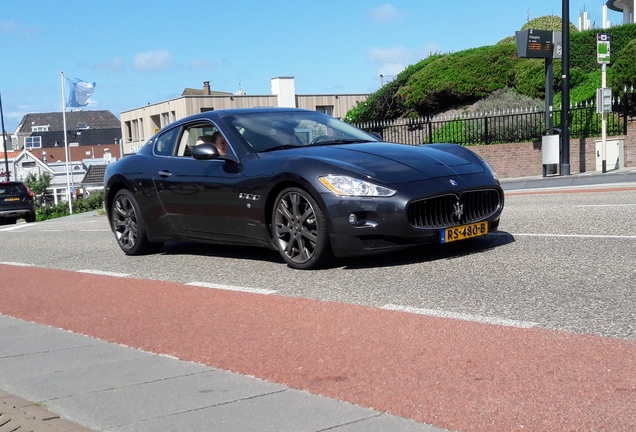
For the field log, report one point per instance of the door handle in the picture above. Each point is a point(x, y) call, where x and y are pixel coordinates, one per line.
point(164, 174)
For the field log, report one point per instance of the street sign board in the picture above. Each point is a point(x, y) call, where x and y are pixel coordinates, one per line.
point(603, 48)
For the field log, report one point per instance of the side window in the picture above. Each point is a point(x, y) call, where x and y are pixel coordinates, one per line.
point(190, 136)
point(165, 142)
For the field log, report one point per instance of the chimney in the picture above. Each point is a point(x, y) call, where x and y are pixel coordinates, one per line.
point(206, 88)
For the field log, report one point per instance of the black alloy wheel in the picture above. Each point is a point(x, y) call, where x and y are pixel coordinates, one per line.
point(299, 230)
point(129, 227)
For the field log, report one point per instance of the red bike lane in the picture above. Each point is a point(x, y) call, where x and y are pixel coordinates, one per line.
point(453, 374)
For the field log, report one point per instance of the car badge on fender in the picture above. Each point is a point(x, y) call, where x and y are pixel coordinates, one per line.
point(458, 210)
point(453, 182)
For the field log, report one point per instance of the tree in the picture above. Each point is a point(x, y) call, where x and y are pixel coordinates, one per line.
point(624, 68)
point(39, 186)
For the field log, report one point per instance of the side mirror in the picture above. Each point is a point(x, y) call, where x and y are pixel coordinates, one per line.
point(205, 151)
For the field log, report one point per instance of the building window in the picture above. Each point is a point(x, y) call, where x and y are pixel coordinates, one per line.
point(325, 109)
point(32, 142)
point(128, 128)
point(135, 130)
point(40, 128)
point(165, 119)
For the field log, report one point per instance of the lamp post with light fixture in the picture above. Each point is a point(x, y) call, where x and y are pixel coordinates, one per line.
point(565, 89)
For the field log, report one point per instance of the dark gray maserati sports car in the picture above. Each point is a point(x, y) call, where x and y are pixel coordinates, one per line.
point(298, 181)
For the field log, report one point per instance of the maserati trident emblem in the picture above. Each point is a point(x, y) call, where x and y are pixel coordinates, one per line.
point(453, 182)
point(458, 211)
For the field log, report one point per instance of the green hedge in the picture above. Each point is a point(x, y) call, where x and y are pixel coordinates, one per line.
point(93, 202)
point(441, 82)
point(583, 46)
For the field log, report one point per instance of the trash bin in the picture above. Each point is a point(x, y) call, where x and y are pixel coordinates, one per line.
point(550, 153)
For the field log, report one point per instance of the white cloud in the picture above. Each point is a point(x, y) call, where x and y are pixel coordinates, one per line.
point(115, 65)
point(385, 13)
point(7, 27)
point(391, 61)
point(199, 63)
point(153, 60)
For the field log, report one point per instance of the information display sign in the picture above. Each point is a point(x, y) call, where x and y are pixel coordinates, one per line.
point(603, 48)
point(534, 43)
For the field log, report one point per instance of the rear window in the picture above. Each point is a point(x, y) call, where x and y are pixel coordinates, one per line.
point(12, 189)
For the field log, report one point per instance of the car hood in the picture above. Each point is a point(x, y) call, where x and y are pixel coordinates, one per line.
point(396, 163)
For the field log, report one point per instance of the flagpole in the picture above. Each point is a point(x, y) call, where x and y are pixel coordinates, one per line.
point(68, 182)
point(4, 135)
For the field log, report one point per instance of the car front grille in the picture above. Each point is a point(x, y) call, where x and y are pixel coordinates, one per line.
point(450, 210)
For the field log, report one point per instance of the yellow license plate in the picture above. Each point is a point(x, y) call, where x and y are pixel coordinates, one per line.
point(463, 232)
point(12, 199)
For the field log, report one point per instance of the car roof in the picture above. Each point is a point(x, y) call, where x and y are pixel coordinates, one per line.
point(217, 114)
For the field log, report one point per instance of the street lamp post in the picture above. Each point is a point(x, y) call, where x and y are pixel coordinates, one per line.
point(565, 90)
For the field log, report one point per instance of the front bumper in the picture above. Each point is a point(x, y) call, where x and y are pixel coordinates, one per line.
point(383, 224)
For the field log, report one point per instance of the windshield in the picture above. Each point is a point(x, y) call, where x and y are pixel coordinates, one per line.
point(271, 130)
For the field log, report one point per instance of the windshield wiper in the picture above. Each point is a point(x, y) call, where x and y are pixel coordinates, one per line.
point(280, 147)
point(342, 141)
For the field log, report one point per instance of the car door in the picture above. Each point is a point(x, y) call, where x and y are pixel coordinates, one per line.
point(200, 196)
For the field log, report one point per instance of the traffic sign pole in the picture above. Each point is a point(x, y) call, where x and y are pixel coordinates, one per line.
point(603, 57)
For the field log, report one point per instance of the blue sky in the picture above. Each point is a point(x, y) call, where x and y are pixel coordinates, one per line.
point(146, 52)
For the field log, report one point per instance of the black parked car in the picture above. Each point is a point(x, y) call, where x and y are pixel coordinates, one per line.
point(301, 182)
point(16, 201)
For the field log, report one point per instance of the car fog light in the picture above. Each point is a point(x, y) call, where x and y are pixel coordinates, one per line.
point(353, 219)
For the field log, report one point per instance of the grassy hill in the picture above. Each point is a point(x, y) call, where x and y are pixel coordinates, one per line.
point(444, 82)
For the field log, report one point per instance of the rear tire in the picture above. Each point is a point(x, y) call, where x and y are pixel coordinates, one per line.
point(299, 230)
point(30, 218)
point(129, 227)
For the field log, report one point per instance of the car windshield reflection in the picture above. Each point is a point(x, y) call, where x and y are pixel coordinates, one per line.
point(269, 131)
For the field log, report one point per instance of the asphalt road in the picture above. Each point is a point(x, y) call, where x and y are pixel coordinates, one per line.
point(564, 259)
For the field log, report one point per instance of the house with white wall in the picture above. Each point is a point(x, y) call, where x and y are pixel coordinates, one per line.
point(139, 124)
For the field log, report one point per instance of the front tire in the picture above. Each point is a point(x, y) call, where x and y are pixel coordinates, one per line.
point(129, 227)
point(299, 230)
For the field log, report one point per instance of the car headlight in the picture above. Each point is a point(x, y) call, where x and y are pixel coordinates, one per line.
point(349, 186)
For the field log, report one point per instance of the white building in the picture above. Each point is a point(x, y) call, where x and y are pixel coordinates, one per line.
point(141, 123)
point(624, 6)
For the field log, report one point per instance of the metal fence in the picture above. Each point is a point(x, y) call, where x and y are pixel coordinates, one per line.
point(498, 127)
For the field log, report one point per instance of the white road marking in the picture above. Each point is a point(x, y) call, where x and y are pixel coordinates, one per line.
point(605, 205)
point(232, 288)
point(103, 273)
point(461, 316)
point(17, 264)
point(16, 227)
point(574, 235)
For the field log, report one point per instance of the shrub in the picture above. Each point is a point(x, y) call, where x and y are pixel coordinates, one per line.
point(459, 78)
point(93, 202)
point(624, 69)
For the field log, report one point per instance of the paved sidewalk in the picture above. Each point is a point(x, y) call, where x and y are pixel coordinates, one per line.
point(94, 385)
point(623, 175)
